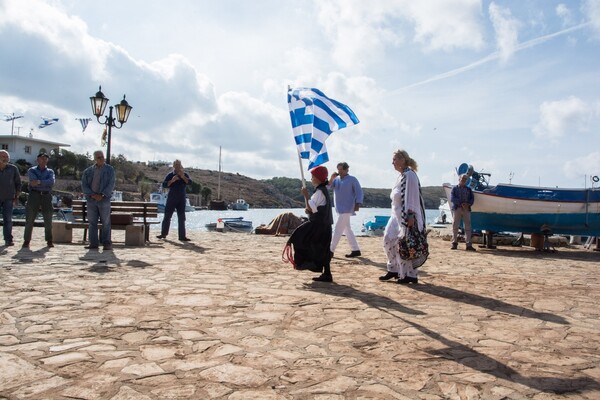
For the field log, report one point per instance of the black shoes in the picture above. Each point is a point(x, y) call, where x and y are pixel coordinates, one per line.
point(161, 236)
point(454, 246)
point(91, 247)
point(107, 247)
point(388, 276)
point(470, 248)
point(25, 244)
point(11, 243)
point(323, 278)
point(49, 243)
point(354, 253)
point(185, 239)
point(406, 280)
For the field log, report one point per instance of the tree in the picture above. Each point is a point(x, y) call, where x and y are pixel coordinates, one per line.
point(194, 188)
point(205, 192)
point(22, 165)
point(145, 189)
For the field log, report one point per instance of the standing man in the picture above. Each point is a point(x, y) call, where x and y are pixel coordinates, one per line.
point(461, 199)
point(98, 183)
point(10, 188)
point(41, 180)
point(348, 199)
point(176, 181)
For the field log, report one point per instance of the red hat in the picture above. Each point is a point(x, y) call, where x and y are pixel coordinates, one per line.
point(320, 173)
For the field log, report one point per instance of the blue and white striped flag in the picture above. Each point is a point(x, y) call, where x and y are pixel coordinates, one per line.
point(315, 117)
point(84, 123)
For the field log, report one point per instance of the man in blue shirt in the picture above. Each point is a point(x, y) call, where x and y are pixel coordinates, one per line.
point(10, 187)
point(176, 181)
point(461, 199)
point(41, 180)
point(97, 184)
point(348, 199)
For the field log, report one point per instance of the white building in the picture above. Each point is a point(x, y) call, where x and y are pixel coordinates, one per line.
point(27, 148)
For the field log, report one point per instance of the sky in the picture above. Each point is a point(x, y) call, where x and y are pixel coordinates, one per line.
point(510, 87)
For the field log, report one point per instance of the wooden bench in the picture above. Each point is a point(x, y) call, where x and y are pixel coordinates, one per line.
point(135, 217)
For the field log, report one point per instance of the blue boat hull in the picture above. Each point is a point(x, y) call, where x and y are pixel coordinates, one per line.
point(564, 224)
point(528, 209)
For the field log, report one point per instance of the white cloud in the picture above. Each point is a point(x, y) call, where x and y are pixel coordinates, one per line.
point(563, 117)
point(591, 10)
point(446, 24)
point(588, 165)
point(506, 28)
point(218, 77)
point(565, 14)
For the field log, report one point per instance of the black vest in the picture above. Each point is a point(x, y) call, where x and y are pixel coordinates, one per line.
point(324, 214)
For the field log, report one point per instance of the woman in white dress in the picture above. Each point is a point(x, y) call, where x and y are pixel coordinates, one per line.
point(407, 211)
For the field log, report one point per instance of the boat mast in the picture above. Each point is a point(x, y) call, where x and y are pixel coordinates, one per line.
point(219, 181)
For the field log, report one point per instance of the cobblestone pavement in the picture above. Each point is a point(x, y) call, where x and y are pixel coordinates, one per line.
point(222, 317)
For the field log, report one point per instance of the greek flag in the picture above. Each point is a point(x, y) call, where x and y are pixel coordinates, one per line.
point(47, 122)
point(84, 123)
point(314, 117)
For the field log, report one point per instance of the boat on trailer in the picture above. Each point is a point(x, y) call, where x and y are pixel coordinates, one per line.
point(531, 209)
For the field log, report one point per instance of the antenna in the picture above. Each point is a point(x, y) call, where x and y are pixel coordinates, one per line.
point(510, 176)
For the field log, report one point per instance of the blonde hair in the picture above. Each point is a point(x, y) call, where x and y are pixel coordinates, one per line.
point(409, 161)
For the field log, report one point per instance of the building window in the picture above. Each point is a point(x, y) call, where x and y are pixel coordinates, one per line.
point(4, 146)
point(27, 149)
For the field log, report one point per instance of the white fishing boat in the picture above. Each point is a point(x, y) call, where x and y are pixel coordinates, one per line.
point(160, 198)
point(239, 205)
point(445, 215)
point(531, 209)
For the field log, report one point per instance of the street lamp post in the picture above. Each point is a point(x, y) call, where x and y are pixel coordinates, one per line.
point(99, 102)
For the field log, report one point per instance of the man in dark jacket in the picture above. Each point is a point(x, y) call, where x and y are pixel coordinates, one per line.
point(461, 199)
point(10, 188)
point(176, 181)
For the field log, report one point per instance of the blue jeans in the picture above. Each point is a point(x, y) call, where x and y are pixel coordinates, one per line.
point(100, 209)
point(7, 209)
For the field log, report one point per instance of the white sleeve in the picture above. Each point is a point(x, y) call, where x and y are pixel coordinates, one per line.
point(316, 200)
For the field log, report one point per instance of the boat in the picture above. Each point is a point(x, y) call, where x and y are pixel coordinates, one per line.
point(239, 205)
point(230, 224)
point(445, 215)
point(531, 209)
point(160, 198)
point(376, 225)
point(218, 204)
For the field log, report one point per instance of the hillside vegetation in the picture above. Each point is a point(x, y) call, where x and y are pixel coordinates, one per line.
point(136, 180)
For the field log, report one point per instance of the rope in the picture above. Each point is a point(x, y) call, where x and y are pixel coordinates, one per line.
point(287, 255)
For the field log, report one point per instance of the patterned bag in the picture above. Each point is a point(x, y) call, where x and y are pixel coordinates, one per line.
point(413, 246)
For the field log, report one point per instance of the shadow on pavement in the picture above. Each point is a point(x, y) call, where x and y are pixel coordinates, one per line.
point(487, 302)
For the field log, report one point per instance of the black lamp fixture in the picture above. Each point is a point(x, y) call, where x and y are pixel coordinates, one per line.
point(99, 102)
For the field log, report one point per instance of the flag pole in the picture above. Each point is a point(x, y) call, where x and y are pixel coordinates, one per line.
point(299, 158)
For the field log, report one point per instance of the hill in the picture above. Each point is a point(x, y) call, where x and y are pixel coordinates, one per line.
point(136, 180)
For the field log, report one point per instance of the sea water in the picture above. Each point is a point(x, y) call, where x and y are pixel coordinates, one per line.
point(196, 220)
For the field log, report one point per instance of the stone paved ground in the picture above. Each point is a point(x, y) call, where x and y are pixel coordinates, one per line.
point(224, 318)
